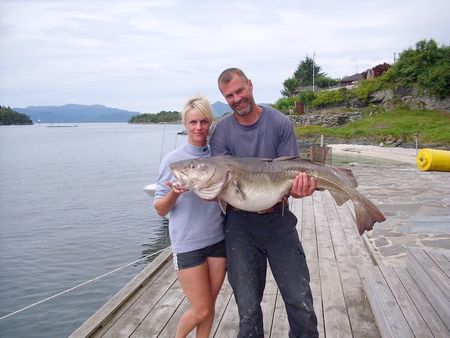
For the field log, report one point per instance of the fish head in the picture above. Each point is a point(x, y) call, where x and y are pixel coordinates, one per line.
point(203, 176)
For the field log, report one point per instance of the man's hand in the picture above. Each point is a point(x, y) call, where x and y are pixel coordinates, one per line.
point(303, 186)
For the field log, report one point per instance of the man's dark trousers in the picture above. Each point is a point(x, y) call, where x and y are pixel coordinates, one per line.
point(251, 239)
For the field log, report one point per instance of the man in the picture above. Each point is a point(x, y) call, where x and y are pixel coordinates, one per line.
point(253, 238)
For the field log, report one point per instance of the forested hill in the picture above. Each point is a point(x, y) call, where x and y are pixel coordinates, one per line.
point(76, 113)
point(11, 117)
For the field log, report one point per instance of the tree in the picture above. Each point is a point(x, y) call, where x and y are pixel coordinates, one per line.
point(304, 72)
point(290, 86)
point(427, 66)
point(303, 77)
point(325, 82)
point(162, 116)
point(11, 117)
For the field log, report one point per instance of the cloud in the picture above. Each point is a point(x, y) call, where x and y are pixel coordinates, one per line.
point(151, 55)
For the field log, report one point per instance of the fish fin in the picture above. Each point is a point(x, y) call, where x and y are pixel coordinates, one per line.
point(339, 196)
point(347, 175)
point(213, 190)
point(285, 158)
point(366, 213)
point(238, 189)
point(223, 205)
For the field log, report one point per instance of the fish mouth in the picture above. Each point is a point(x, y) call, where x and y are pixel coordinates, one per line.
point(181, 179)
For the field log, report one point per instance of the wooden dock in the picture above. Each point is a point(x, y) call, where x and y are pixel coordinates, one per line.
point(152, 303)
point(412, 301)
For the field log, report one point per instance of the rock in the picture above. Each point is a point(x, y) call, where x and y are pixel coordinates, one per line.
point(325, 119)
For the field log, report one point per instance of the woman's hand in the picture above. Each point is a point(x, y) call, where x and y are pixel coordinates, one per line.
point(176, 188)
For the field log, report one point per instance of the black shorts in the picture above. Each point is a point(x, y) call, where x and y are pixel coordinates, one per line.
point(193, 258)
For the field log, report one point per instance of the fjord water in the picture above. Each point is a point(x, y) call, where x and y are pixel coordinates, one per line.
point(72, 207)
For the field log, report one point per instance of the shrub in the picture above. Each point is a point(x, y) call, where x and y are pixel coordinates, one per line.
point(325, 98)
point(284, 104)
point(368, 87)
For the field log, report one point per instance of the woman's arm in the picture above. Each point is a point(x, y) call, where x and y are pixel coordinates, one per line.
point(164, 204)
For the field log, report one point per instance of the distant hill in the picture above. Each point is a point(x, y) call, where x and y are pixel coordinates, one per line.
point(76, 113)
point(220, 109)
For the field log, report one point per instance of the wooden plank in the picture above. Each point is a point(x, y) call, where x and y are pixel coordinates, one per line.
point(309, 242)
point(436, 273)
point(160, 315)
point(117, 303)
point(442, 259)
point(357, 244)
point(170, 328)
point(427, 276)
point(318, 305)
point(268, 301)
point(280, 324)
point(229, 324)
point(388, 314)
point(125, 325)
point(308, 230)
point(417, 324)
point(423, 305)
point(359, 312)
point(336, 320)
point(221, 304)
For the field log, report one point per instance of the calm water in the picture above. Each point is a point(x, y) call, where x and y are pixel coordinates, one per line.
point(72, 207)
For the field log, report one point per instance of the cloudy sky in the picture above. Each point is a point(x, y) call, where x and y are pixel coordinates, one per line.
point(149, 56)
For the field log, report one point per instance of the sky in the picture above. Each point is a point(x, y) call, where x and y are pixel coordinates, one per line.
point(149, 56)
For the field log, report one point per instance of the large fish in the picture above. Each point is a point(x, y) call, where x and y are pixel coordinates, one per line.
point(255, 184)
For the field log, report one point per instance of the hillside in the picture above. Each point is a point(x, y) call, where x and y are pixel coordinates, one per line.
point(10, 117)
point(76, 113)
point(220, 109)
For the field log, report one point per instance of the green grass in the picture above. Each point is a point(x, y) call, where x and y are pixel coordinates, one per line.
point(430, 127)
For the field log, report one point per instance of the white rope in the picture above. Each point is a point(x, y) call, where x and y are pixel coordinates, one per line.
point(79, 285)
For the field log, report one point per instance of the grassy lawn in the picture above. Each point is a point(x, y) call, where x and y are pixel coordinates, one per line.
point(430, 127)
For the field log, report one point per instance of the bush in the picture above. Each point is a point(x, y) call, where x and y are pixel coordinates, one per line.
point(367, 87)
point(307, 97)
point(427, 66)
point(285, 104)
point(325, 98)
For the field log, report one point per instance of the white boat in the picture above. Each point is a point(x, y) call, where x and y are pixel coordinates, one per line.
point(150, 189)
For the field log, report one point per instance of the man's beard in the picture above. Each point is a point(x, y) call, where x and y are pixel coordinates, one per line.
point(246, 110)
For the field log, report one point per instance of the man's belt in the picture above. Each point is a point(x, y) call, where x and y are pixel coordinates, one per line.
point(279, 207)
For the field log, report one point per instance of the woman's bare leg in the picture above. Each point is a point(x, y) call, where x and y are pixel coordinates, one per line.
point(201, 285)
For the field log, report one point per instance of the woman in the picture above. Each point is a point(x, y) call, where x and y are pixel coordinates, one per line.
point(195, 226)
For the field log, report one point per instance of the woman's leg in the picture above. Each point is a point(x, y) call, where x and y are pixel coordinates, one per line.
point(216, 268)
point(195, 284)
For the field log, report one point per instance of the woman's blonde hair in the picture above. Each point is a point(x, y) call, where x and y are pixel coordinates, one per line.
point(201, 105)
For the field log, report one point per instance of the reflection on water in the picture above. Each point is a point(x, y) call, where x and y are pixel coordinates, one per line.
point(159, 241)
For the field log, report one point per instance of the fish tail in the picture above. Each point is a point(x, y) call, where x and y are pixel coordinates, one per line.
point(347, 175)
point(366, 213)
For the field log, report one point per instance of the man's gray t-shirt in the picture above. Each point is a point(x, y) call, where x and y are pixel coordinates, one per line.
point(270, 137)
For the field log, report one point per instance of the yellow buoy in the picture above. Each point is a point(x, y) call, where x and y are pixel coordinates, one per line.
point(433, 159)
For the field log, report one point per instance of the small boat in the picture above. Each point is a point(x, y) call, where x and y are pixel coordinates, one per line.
point(150, 189)
point(61, 126)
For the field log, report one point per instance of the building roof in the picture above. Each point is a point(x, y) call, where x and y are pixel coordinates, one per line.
point(351, 78)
